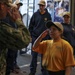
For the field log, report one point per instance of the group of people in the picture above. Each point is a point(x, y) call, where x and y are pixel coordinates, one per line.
point(12, 54)
point(53, 40)
point(13, 34)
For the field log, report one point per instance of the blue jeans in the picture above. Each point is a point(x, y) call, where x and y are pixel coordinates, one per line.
point(33, 64)
point(43, 70)
point(11, 60)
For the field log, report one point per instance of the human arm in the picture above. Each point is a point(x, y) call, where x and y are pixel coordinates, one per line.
point(68, 70)
point(31, 24)
point(73, 30)
point(14, 38)
point(68, 58)
point(39, 39)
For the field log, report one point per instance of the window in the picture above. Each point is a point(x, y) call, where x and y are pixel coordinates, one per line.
point(27, 10)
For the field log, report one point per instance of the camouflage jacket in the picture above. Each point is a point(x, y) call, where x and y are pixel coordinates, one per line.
point(13, 39)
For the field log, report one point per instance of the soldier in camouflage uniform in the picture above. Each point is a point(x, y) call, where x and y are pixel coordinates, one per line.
point(10, 37)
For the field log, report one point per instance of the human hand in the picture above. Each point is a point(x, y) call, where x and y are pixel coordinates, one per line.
point(45, 33)
point(14, 14)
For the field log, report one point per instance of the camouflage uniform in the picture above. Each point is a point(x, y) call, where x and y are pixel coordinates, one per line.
point(13, 39)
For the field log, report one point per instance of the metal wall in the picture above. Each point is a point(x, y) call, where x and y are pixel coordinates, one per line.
point(72, 10)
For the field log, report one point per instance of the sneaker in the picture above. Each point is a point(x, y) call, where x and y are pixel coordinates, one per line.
point(31, 73)
point(16, 71)
point(16, 67)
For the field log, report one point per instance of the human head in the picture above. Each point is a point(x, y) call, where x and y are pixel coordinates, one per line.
point(10, 1)
point(3, 8)
point(42, 2)
point(66, 17)
point(10, 4)
point(2, 1)
point(66, 14)
point(42, 5)
point(57, 25)
point(18, 3)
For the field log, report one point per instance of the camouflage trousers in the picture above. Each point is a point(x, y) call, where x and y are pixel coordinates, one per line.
point(3, 62)
point(2, 71)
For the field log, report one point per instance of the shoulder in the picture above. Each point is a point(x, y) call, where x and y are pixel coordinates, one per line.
point(67, 48)
point(64, 41)
point(35, 14)
point(4, 23)
point(63, 23)
point(66, 44)
point(47, 41)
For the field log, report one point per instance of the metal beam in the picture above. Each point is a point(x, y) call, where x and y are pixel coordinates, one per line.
point(72, 10)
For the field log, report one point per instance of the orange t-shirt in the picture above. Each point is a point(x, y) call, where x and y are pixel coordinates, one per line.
point(59, 54)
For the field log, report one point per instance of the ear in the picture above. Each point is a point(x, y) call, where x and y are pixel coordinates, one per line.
point(61, 32)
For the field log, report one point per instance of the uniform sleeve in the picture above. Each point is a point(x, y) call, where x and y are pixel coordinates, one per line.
point(14, 38)
point(41, 48)
point(68, 56)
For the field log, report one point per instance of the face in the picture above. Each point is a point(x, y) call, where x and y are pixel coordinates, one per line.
point(66, 19)
point(41, 7)
point(54, 32)
point(3, 9)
